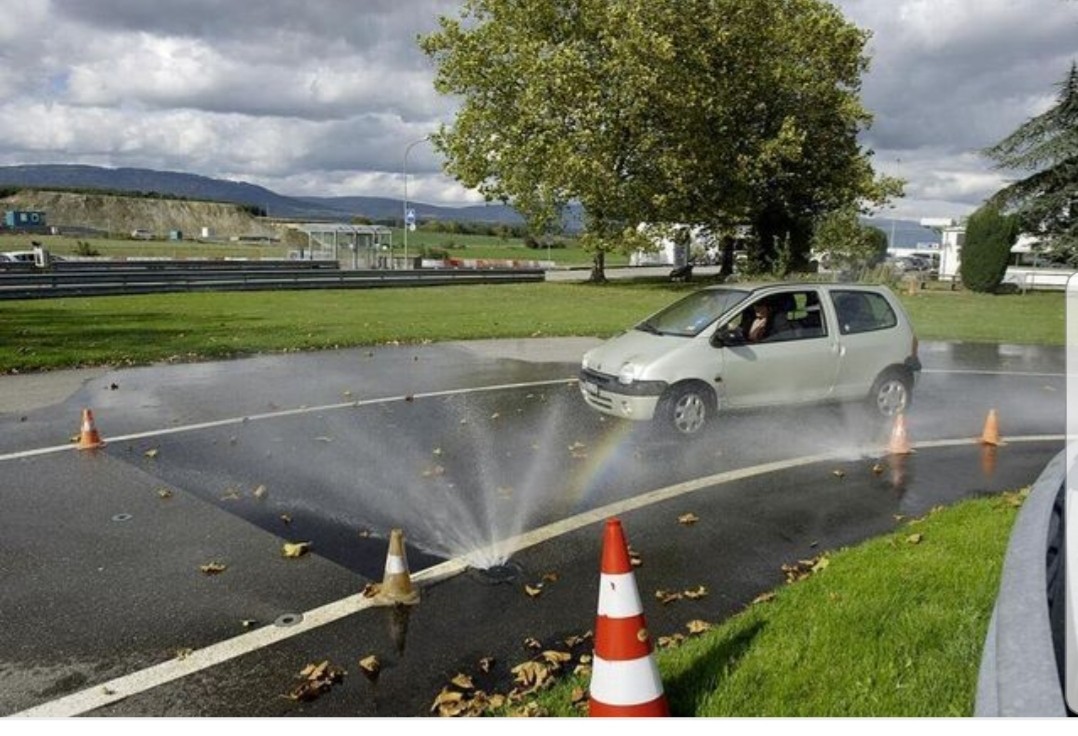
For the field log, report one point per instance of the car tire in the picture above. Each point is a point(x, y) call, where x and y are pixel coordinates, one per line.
point(686, 409)
point(891, 394)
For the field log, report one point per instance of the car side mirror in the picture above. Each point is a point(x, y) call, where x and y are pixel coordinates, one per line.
point(728, 338)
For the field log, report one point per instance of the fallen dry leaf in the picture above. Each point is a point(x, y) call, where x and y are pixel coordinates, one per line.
point(486, 664)
point(371, 589)
point(212, 568)
point(914, 538)
point(764, 597)
point(164, 493)
point(532, 643)
point(670, 642)
point(696, 594)
point(151, 453)
point(667, 596)
point(184, 653)
point(688, 519)
point(295, 549)
point(877, 469)
point(463, 682)
point(697, 626)
point(634, 557)
point(531, 675)
point(495, 415)
point(285, 518)
point(259, 492)
point(231, 494)
point(557, 658)
point(317, 679)
point(370, 666)
point(533, 592)
point(838, 473)
point(248, 623)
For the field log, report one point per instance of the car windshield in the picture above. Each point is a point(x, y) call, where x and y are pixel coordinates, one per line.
point(688, 316)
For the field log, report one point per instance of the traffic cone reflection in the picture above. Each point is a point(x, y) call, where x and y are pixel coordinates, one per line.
point(988, 459)
point(89, 438)
point(625, 678)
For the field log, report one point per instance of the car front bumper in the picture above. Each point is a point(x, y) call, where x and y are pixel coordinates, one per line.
point(636, 401)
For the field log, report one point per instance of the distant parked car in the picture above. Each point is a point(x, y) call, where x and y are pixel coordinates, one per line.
point(17, 256)
point(704, 354)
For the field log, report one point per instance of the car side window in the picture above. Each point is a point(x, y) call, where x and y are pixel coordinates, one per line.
point(862, 311)
point(788, 316)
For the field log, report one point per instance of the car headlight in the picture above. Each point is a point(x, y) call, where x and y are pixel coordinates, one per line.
point(627, 374)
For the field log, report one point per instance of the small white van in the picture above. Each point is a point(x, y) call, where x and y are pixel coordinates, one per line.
point(743, 346)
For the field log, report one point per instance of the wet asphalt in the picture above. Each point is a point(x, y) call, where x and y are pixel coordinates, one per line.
point(107, 610)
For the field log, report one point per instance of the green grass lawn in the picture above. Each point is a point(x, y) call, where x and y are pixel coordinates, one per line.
point(43, 334)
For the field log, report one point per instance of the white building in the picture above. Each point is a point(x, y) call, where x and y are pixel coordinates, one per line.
point(1025, 270)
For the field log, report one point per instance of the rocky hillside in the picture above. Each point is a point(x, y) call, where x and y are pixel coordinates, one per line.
point(121, 215)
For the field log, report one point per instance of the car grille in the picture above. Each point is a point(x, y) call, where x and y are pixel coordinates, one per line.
point(602, 382)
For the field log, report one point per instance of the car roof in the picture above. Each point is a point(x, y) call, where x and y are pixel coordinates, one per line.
point(760, 287)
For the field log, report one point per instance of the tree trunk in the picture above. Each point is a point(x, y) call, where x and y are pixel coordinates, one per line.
point(598, 268)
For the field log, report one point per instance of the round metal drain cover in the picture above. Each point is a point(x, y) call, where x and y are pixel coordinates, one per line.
point(288, 619)
point(507, 572)
point(122, 517)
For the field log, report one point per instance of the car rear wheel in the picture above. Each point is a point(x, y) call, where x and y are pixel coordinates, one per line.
point(687, 409)
point(891, 394)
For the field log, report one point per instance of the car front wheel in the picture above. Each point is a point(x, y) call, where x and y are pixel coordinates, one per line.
point(890, 394)
point(687, 409)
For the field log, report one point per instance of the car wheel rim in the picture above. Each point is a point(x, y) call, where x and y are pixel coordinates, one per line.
point(689, 414)
point(891, 398)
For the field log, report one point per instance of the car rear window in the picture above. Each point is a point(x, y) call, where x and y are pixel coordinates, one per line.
point(862, 311)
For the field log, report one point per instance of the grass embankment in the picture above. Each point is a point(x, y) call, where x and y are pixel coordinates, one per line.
point(45, 334)
point(893, 627)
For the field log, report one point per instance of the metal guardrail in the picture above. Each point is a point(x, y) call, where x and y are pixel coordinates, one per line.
point(151, 277)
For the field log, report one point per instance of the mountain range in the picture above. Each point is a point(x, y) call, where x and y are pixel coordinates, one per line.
point(193, 186)
point(902, 233)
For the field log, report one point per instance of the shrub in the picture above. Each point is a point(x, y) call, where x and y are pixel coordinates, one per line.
point(987, 250)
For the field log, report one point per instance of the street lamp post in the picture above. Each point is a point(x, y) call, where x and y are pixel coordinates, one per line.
point(404, 169)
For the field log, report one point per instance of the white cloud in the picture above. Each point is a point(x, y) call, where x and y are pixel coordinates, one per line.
point(320, 97)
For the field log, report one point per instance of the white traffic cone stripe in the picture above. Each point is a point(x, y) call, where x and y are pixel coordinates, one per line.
point(395, 565)
point(630, 682)
point(618, 596)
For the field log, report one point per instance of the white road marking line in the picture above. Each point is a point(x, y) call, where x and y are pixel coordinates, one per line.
point(123, 687)
point(287, 413)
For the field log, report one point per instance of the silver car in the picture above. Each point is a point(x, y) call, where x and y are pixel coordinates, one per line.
point(743, 346)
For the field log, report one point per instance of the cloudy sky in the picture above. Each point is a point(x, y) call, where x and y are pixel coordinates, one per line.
point(321, 97)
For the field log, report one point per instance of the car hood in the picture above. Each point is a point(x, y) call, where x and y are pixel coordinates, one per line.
point(634, 346)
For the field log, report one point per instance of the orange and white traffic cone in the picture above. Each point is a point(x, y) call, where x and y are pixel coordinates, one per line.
point(900, 441)
point(89, 439)
point(625, 679)
point(990, 435)
point(396, 587)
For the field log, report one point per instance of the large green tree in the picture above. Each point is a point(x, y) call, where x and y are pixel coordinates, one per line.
point(711, 112)
point(1046, 201)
